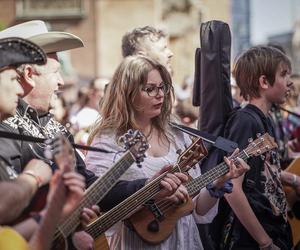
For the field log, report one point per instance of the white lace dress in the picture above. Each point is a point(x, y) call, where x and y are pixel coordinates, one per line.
point(185, 234)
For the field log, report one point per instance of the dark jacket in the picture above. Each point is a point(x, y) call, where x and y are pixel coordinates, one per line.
point(28, 122)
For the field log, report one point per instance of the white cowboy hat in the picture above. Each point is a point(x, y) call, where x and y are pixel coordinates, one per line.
point(37, 32)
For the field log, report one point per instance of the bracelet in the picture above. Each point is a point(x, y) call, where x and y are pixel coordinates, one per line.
point(294, 181)
point(218, 193)
point(38, 179)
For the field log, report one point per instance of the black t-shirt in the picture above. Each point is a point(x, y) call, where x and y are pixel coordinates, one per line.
point(262, 187)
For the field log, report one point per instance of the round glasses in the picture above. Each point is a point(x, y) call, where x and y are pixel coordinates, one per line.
point(153, 90)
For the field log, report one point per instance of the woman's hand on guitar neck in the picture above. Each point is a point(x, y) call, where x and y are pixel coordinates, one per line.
point(180, 196)
point(169, 183)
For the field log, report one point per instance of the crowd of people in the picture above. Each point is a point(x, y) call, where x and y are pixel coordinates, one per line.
point(245, 206)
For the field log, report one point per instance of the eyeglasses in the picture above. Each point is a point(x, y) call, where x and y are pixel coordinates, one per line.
point(153, 90)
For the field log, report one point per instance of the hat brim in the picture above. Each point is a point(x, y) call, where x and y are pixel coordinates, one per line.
point(15, 51)
point(53, 41)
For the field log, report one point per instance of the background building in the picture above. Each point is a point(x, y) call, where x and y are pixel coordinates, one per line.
point(102, 23)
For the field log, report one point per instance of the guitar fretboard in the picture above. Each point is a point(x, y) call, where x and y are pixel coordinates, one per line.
point(96, 192)
point(120, 211)
point(194, 186)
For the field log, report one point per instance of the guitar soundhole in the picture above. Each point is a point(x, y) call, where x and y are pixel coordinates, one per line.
point(153, 226)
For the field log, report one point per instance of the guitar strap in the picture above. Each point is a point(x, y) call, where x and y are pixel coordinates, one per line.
point(218, 142)
point(14, 136)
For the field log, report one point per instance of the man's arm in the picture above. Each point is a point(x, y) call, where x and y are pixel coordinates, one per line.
point(16, 195)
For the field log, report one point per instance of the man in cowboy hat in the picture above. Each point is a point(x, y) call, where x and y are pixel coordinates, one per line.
point(14, 52)
point(19, 189)
point(41, 84)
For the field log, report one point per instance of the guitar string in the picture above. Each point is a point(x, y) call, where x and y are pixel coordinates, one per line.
point(147, 193)
point(201, 181)
point(92, 227)
point(95, 227)
point(91, 195)
point(95, 192)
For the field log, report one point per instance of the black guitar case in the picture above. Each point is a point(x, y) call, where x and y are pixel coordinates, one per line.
point(212, 90)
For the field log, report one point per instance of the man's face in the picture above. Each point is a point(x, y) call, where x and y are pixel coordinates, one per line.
point(159, 51)
point(10, 90)
point(48, 81)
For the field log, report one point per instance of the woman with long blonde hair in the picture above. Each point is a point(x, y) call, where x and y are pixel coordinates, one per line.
point(139, 96)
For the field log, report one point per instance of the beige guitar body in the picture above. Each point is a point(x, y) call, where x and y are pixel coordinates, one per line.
point(294, 168)
point(155, 231)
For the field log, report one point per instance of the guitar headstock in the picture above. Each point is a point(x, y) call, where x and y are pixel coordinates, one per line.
point(60, 150)
point(192, 155)
point(261, 145)
point(136, 143)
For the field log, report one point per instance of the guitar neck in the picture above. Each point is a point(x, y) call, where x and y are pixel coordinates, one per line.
point(194, 186)
point(123, 209)
point(96, 192)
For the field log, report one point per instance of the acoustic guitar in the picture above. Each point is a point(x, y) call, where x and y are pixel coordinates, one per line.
point(291, 196)
point(136, 145)
point(191, 156)
point(154, 230)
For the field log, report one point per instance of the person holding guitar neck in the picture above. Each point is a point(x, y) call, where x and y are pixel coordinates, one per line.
point(258, 215)
point(140, 97)
point(19, 189)
point(41, 84)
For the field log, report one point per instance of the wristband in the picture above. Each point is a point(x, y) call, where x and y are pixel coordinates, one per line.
point(38, 179)
point(218, 193)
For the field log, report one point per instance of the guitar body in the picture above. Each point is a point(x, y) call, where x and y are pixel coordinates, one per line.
point(36, 204)
point(294, 168)
point(155, 231)
point(101, 243)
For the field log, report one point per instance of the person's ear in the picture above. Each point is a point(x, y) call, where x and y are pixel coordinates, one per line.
point(27, 82)
point(263, 82)
point(28, 75)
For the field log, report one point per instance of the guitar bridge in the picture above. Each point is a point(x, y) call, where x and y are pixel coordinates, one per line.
point(154, 209)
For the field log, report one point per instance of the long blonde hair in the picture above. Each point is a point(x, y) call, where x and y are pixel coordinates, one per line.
point(116, 107)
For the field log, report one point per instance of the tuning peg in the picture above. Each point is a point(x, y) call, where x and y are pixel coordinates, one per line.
point(262, 157)
point(258, 135)
point(139, 165)
point(250, 140)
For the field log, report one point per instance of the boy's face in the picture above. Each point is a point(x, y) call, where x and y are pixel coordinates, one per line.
point(279, 92)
